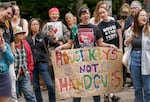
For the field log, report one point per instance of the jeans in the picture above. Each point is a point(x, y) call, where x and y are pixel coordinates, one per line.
point(13, 98)
point(25, 86)
point(96, 99)
point(141, 82)
point(43, 70)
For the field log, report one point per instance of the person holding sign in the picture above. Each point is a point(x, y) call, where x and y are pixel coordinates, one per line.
point(88, 35)
point(111, 31)
point(55, 27)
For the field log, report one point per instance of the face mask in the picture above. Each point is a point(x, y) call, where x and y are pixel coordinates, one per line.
point(124, 17)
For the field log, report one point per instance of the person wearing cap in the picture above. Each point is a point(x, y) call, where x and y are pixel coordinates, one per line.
point(135, 6)
point(6, 58)
point(23, 64)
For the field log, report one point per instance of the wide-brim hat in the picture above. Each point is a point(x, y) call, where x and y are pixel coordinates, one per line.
point(18, 30)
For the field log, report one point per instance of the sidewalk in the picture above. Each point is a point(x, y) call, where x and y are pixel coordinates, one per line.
point(127, 95)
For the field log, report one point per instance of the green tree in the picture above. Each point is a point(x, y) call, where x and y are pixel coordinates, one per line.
point(39, 8)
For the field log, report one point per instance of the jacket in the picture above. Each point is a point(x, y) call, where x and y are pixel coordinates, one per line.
point(30, 62)
point(38, 50)
point(145, 64)
point(6, 59)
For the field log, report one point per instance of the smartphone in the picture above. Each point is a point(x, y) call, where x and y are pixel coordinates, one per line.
point(50, 27)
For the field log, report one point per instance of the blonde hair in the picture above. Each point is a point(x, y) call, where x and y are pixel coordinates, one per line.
point(125, 5)
point(96, 11)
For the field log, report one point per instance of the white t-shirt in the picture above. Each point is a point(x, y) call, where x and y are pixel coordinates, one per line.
point(93, 18)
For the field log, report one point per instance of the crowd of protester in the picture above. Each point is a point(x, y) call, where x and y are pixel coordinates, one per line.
point(26, 45)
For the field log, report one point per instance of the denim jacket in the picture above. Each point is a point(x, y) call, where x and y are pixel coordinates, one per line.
point(145, 64)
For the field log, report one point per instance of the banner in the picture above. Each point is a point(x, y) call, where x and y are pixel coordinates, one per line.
point(87, 72)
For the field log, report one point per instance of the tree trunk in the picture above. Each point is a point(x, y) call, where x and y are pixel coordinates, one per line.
point(76, 7)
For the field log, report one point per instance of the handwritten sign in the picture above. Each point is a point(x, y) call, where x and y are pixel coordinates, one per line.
point(56, 27)
point(87, 72)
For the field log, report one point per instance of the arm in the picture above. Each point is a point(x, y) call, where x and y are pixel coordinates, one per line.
point(103, 44)
point(67, 45)
point(12, 46)
point(128, 36)
point(66, 33)
point(7, 54)
point(120, 38)
point(25, 27)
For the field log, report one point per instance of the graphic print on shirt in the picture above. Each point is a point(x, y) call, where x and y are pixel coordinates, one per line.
point(86, 37)
point(110, 33)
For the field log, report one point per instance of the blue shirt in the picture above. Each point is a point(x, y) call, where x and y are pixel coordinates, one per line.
point(6, 58)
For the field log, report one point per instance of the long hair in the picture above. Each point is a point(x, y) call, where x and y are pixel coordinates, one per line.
point(136, 25)
point(96, 11)
point(125, 5)
point(29, 26)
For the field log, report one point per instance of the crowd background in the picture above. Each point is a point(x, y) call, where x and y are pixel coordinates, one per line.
point(28, 7)
point(39, 37)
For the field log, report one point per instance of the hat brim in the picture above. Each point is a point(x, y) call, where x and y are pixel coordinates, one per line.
point(19, 33)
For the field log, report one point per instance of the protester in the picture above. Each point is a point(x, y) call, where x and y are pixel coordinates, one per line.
point(95, 38)
point(54, 16)
point(124, 13)
point(137, 37)
point(134, 8)
point(23, 64)
point(6, 13)
point(96, 19)
point(6, 58)
point(17, 21)
point(111, 32)
point(69, 20)
point(39, 43)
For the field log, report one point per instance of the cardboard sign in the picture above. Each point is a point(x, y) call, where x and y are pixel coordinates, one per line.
point(56, 27)
point(87, 72)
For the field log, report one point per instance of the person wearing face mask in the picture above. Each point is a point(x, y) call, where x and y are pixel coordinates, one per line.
point(124, 13)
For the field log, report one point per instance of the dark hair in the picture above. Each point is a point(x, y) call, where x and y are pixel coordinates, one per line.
point(136, 25)
point(6, 6)
point(29, 26)
point(82, 9)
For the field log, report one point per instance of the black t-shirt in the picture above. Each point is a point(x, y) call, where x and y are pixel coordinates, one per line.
point(109, 32)
point(8, 33)
point(87, 36)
